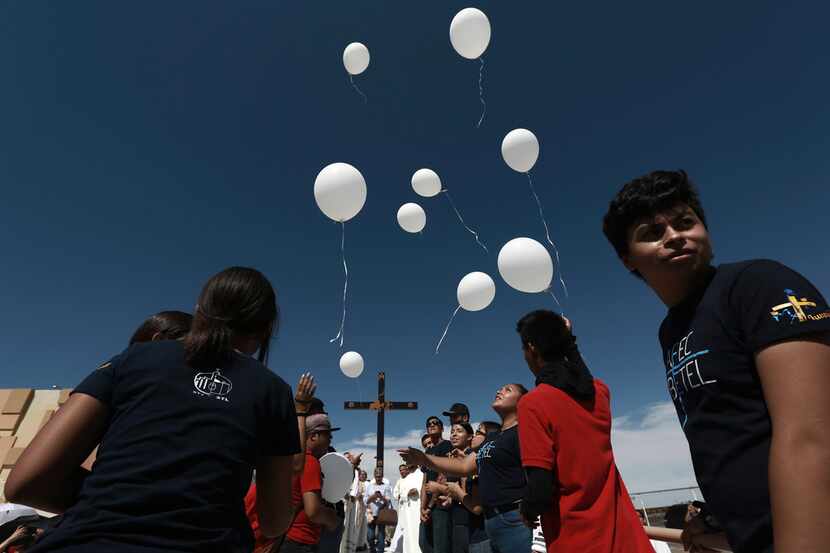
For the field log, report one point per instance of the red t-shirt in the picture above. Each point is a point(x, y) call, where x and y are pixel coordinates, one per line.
point(253, 519)
point(302, 529)
point(591, 510)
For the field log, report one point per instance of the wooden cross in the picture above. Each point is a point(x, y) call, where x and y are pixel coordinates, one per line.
point(381, 406)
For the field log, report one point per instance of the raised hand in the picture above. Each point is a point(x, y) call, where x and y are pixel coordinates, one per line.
point(305, 389)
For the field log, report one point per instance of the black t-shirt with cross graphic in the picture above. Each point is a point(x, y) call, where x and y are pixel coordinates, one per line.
point(709, 342)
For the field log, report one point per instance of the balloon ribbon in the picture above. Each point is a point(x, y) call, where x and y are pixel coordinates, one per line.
point(547, 235)
point(474, 233)
point(481, 92)
point(345, 285)
point(454, 313)
point(354, 85)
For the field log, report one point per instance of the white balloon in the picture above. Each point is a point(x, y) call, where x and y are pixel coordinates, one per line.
point(426, 183)
point(526, 265)
point(356, 58)
point(351, 364)
point(520, 150)
point(411, 217)
point(340, 191)
point(476, 291)
point(338, 474)
point(470, 33)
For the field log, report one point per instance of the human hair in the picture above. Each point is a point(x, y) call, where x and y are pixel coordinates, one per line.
point(676, 516)
point(521, 388)
point(546, 332)
point(434, 418)
point(238, 301)
point(647, 196)
point(466, 426)
point(168, 325)
point(425, 438)
point(550, 337)
point(490, 426)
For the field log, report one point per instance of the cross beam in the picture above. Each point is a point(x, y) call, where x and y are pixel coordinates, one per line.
point(381, 406)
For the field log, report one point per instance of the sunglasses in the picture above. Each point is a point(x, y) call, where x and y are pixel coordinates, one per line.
point(433, 423)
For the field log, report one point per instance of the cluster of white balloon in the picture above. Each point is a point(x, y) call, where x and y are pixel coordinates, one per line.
point(340, 193)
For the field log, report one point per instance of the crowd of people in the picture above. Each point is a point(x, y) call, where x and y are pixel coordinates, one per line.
point(199, 447)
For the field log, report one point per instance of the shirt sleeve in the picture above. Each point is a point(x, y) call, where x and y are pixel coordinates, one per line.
point(311, 481)
point(101, 383)
point(277, 420)
point(536, 436)
point(774, 303)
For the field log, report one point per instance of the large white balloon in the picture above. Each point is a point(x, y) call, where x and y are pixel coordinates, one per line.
point(426, 183)
point(411, 217)
point(340, 191)
point(476, 291)
point(356, 58)
point(470, 33)
point(520, 150)
point(338, 475)
point(351, 364)
point(526, 265)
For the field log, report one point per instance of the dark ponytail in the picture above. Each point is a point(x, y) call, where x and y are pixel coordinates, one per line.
point(236, 302)
point(564, 367)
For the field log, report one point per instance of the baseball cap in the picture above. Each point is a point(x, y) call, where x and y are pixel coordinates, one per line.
point(318, 423)
point(457, 409)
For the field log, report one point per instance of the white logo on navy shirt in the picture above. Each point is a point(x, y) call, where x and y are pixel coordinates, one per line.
point(683, 373)
point(213, 384)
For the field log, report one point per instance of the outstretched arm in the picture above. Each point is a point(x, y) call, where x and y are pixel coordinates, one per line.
point(465, 466)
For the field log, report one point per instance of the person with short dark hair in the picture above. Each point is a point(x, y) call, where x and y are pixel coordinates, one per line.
point(164, 325)
point(484, 428)
point(458, 412)
point(436, 526)
point(181, 425)
point(501, 477)
point(377, 497)
point(746, 348)
point(565, 437)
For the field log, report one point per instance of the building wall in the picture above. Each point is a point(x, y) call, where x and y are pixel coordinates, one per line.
point(23, 412)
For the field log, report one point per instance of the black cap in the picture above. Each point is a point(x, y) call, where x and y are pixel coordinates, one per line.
point(457, 409)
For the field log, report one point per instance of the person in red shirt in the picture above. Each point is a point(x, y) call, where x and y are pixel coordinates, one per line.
point(565, 442)
point(304, 534)
point(311, 515)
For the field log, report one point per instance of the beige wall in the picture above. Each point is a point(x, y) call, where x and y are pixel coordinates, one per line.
point(23, 412)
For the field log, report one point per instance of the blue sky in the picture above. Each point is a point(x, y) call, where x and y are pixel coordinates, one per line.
point(145, 147)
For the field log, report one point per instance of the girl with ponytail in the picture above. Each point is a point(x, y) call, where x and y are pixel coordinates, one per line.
point(182, 425)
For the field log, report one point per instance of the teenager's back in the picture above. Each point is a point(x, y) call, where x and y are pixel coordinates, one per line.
point(175, 462)
point(591, 508)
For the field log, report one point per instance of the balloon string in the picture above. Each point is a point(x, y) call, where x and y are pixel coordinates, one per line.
point(354, 85)
point(550, 291)
point(454, 313)
point(547, 234)
point(481, 92)
point(474, 233)
point(340, 333)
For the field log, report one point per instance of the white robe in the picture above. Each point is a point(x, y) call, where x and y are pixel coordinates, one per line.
point(354, 534)
point(409, 511)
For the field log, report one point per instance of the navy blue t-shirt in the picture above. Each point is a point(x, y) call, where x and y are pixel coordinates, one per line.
point(175, 463)
point(709, 342)
point(501, 479)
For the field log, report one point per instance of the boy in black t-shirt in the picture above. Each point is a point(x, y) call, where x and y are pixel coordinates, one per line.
point(746, 348)
point(436, 532)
